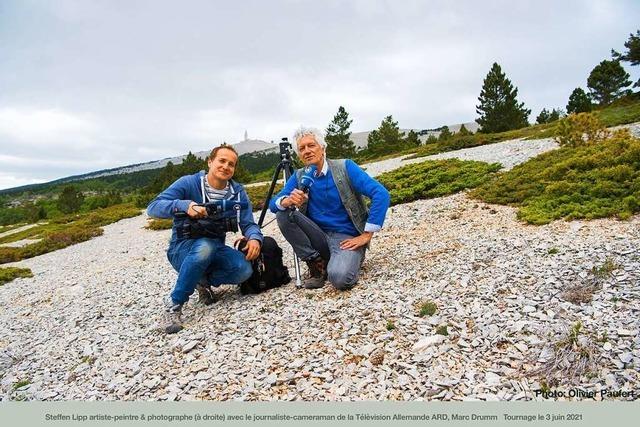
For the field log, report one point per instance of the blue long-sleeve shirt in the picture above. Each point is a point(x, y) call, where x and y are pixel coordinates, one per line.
point(179, 195)
point(325, 207)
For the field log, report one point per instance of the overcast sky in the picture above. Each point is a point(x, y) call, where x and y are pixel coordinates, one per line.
point(87, 85)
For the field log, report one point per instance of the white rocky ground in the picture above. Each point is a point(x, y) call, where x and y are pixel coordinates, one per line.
point(86, 326)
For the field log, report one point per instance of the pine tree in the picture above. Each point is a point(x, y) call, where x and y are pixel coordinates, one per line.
point(445, 133)
point(191, 164)
point(70, 200)
point(633, 52)
point(499, 108)
point(607, 82)
point(412, 140)
point(339, 144)
point(464, 131)
point(431, 139)
point(555, 114)
point(579, 102)
point(543, 117)
point(386, 139)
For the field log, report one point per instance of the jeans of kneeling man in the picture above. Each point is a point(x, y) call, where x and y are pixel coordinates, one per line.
point(208, 259)
point(343, 268)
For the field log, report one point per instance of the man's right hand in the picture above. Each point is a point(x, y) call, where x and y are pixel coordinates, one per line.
point(195, 211)
point(296, 198)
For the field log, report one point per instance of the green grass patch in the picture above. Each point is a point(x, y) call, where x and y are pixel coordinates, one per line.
point(21, 383)
point(7, 274)
point(585, 182)
point(427, 308)
point(159, 224)
point(603, 271)
point(621, 112)
point(435, 178)
point(390, 326)
point(64, 231)
point(258, 194)
point(442, 330)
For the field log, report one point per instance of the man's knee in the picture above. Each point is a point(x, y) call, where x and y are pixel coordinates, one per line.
point(204, 249)
point(245, 270)
point(341, 279)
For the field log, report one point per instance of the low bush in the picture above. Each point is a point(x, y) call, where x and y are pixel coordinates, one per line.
point(63, 232)
point(437, 178)
point(594, 180)
point(7, 274)
point(258, 194)
point(159, 224)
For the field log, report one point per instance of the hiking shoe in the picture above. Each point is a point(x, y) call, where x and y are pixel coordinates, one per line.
point(317, 274)
point(173, 315)
point(205, 294)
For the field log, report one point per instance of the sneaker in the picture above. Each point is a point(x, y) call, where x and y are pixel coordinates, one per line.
point(317, 274)
point(173, 314)
point(205, 294)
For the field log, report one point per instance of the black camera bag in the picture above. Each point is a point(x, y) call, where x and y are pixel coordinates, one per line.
point(268, 269)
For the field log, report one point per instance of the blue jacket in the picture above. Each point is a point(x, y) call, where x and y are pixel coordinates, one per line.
point(325, 207)
point(179, 195)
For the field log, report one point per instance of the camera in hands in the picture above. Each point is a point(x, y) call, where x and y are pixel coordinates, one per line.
point(222, 217)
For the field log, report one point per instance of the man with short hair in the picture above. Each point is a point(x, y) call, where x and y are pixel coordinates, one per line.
point(205, 261)
point(337, 211)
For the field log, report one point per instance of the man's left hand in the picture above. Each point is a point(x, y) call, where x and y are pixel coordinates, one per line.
point(252, 248)
point(356, 242)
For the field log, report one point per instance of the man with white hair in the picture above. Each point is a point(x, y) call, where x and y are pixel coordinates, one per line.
point(336, 208)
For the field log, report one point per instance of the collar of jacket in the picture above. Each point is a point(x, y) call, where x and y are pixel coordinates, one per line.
point(234, 187)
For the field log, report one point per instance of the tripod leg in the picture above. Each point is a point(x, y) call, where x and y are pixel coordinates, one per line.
point(269, 194)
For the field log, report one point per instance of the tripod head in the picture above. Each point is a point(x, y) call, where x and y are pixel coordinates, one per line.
point(285, 149)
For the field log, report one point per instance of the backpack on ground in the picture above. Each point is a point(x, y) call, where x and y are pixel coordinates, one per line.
point(268, 269)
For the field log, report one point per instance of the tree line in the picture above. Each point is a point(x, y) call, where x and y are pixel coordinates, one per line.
point(499, 109)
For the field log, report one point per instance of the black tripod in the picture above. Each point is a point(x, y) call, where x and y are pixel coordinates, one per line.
point(286, 167)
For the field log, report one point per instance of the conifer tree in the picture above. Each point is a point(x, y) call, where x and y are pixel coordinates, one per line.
point(499, 108)
point(445, 134)
point(607, 82)
point(70, 200)
point(412, 140)
point(431, 139)
point(633, 52)
point(386, 139)
point(339, 144)
point(555, 114)
point(579, 102)
point(191, 164)
point(543, 117)
point(464, 131)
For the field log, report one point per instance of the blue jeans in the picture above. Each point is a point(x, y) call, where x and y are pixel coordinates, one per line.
point(207, 259)
point(343, 267)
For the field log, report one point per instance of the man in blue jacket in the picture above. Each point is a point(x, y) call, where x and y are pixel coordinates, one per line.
point(335, 206)
point(205, 261)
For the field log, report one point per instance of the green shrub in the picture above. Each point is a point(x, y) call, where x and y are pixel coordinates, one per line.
point(442, 330)
point(390, 326)
point(159, 224)
point(588, 181)
point(580, 129)
point(437, 178)
point(7, 274)
point(64, 231)
point(428, 308)
point(257, 194)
